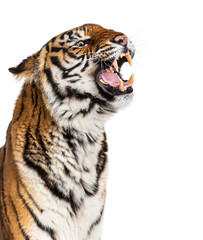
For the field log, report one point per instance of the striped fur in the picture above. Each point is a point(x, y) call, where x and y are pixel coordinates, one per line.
point(53, 166)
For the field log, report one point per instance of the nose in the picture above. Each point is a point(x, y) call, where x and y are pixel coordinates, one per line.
point(122, 40)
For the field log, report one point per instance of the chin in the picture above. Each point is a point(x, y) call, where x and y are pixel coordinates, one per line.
point(121, 101)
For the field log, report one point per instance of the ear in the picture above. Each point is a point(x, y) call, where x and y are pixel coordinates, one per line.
point(26, 67)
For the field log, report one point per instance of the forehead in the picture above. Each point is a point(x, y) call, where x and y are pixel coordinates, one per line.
point(88, 31)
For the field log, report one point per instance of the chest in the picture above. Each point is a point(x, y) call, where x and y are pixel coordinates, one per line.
point(71, 190)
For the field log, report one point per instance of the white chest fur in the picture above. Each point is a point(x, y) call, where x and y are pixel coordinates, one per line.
point(72, 194)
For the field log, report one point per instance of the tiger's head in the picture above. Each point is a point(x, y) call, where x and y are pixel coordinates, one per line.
point(79, 70)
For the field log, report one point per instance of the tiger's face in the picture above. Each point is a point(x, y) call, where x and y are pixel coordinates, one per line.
point(85, 61)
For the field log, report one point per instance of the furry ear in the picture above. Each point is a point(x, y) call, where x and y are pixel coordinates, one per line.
point(26, 67)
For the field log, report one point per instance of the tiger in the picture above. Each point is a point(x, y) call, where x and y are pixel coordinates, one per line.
point(54, 164)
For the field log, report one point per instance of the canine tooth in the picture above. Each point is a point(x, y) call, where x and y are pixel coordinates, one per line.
point(129, 59)
point(101, 80)
point(115, 64)
point(131, 80)
point(121, 85)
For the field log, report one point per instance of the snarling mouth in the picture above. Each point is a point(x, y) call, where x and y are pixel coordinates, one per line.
point(110, 80)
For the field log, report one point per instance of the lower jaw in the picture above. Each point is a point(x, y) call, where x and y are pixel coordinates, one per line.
point(112, 91)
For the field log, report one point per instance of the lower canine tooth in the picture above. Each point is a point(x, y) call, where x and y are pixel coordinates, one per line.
point(131, 80)
point(121, 85)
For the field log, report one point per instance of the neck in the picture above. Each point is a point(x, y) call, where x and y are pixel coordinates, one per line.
point(79, 115)
point(76, 110)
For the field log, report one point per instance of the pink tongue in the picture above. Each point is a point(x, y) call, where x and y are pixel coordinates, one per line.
point(109, 77)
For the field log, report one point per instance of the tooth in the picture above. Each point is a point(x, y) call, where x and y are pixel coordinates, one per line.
point(131, 80)
point(111, 70)
point(115, 64)
point(122, 55)
point(129, 59)
point(121, 86)
point(101, 80)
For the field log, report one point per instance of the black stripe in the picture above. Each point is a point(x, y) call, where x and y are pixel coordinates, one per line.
point(79, 50)
point(100, 47)
point(69, 138)
point(77, 34)
point(71, 54)
point(56, 62)
point(87, 192)
point(35, 99)
point(74, 80)
point(64, 113)
point(56, 49)
point(39, 138)
point(61, 43)
point(66, 75)
point(18, 221)
point(86, 65)
point(65, 60)
point(102, 158)
point(39, 224)
point(90, 138)
point(68, 162)
point(84, 112)
point(73, 202)
point(100, 167)
point(53, 39)
point(68, 174)
point(62, 36)
point(47, 47)
point(74, 93)
point(54, 85)
point(77, 65)
point(70, 33)
point(71, 92)
point(108, 49)
point(91, 105)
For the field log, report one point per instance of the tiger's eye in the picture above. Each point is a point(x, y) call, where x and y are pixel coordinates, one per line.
point(80, 44)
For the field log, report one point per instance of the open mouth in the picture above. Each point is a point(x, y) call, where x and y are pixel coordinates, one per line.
point(110, 80)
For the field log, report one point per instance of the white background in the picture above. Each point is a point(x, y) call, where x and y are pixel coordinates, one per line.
point(155, 187)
